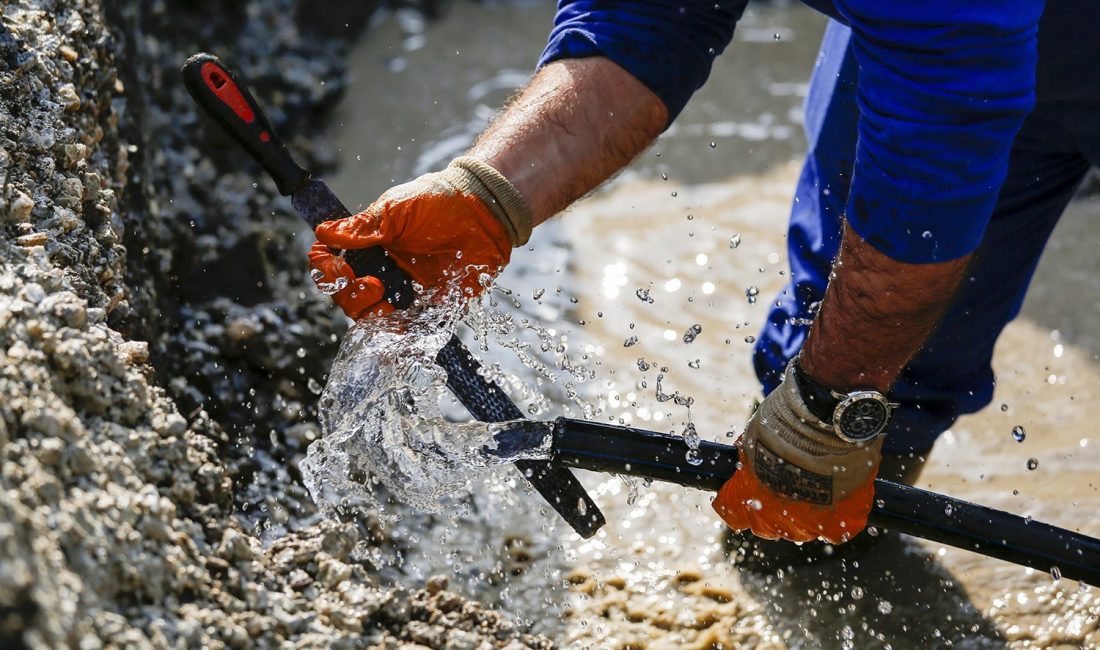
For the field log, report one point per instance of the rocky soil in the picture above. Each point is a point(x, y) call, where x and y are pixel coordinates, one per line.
point(161, 348)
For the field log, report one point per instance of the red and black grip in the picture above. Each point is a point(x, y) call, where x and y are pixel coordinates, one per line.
point(229, 103)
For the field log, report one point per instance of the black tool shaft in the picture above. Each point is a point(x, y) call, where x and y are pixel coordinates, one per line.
point(223, 97)
point(935, 517)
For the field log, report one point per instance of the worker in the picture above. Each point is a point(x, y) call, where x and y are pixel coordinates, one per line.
point(945, 140)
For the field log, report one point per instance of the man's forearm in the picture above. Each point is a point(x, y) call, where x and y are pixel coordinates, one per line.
point(577, 123)
point(875, 315)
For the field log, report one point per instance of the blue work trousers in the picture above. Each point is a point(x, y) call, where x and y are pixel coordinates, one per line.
point(952, 373)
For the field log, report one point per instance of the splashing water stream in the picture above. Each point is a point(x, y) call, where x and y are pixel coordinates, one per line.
point(381, 419)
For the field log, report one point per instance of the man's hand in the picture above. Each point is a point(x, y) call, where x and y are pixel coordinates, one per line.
point(444, 229)
point(798, 480)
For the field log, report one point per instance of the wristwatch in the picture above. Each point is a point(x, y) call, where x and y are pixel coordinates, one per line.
point(856, 417)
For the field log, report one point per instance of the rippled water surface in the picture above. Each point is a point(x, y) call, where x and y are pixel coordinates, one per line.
point(667, 273)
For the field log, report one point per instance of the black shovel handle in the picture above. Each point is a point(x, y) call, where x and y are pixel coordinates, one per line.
point(936, 517)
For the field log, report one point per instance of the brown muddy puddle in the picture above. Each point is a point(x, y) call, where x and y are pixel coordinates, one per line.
point(656, 576)
point(667, 583)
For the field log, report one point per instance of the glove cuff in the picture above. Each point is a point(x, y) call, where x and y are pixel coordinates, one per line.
point(497, 192)
point(803, 429)
point(788, 431)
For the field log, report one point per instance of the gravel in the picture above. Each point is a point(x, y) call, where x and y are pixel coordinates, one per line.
point(161, 349)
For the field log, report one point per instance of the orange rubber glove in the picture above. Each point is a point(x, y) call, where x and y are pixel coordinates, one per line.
point(796, 479)
point(444, 229)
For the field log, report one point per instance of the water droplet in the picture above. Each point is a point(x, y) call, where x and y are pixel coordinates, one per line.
point(1019, 434)
point(694, 364)
point(537, 293)
point(713, 144)
point(885, 606)
point(776, 36)
point(857, 593)
point(1055, 573)
point(1004, 408)
point(642, 365)
point(750, 339)
point(948, 510)
point(692, 332)
point(630, 341)
point(316, 275)
point(664, 176)
point(693, 457)
point(1032, 463)
point(751, 293)
point(927, 234)
point(314, 386)
point(735, 241)
point(329, 288)
point(643, 295)
point(632, 490)
point(301, 352)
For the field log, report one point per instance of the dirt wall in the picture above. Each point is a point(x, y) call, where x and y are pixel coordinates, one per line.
point(160, 349)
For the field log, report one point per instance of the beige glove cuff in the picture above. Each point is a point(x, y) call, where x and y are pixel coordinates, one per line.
point(499, 195)
point(787, 428)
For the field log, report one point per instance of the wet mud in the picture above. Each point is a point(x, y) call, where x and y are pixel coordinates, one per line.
point(903, 593)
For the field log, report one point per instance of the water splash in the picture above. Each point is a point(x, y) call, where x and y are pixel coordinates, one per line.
point(382, 411)
point(381, 420)
point(328, 288)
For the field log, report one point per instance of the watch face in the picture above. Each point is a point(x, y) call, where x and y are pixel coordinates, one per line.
point(861, 416)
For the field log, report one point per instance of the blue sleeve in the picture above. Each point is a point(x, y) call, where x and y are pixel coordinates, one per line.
point(668, 45)
point(943, 88)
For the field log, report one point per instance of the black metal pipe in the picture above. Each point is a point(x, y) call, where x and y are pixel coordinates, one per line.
point(935, 517)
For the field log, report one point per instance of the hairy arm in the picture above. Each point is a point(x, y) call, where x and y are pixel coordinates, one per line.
point(571, 128)
point(876, 314)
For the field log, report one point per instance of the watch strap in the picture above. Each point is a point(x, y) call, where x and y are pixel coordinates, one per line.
point(820, 401)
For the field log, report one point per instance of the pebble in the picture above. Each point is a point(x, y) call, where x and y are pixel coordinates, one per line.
point(134, 352)
point(19, 210)
point(68, 98)
point(68, 53)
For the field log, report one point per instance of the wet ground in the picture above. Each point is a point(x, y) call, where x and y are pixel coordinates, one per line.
point(657, 576)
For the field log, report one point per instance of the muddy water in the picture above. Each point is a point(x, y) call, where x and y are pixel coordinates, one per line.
point(656, 576)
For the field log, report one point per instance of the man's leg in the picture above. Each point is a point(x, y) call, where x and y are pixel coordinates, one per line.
point(951, 375)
